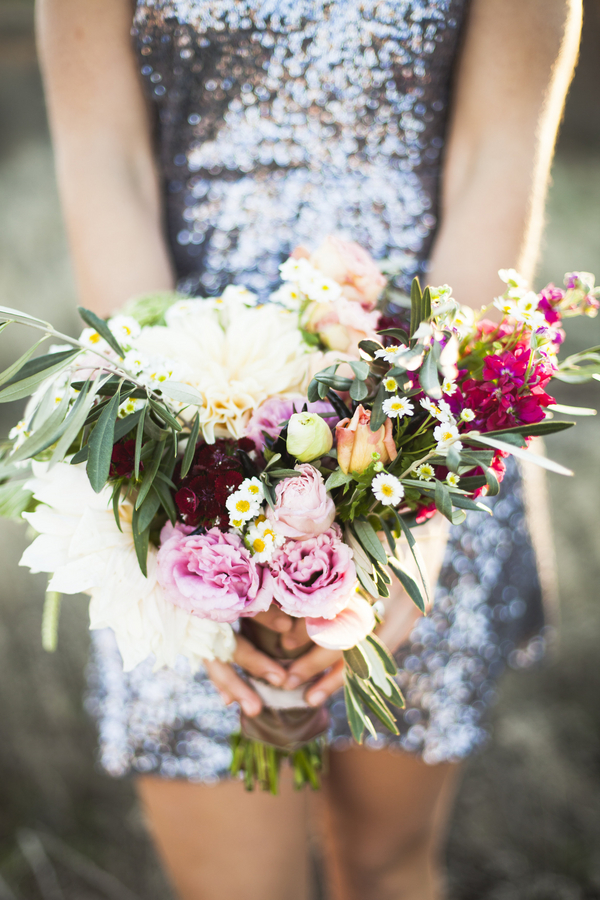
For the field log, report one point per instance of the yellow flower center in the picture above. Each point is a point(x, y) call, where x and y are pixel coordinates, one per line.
point(94, 338)
point(242, 506)
point(253, 489)
point(260, 519)
point(387, 490)
point(258, 545)
point(237, 523)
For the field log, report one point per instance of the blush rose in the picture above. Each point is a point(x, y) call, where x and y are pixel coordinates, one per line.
point(352, 267)
point(303, 508)
point(209, 575)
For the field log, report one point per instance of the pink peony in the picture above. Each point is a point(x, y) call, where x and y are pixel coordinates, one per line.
point(352, 267)
point(270, 414)
point(303, 507)
point(210, 575)
point(315, 577)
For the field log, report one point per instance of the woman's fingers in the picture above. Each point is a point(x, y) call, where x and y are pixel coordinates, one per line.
point(231, 687)
point(275, 619)
point(312, 663)
point(258, 664)
point(327, 685)
point(297, 636)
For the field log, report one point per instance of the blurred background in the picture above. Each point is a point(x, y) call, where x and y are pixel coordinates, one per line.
point(527, 818)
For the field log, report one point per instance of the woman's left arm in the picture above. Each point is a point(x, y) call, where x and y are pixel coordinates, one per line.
point(514, 71)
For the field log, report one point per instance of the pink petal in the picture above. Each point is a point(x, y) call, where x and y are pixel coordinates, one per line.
point(350, 626)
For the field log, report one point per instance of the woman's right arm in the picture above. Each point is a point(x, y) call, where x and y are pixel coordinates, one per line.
point(101, 133)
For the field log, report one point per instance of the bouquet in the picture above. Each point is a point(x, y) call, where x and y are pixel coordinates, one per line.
point(191, 462)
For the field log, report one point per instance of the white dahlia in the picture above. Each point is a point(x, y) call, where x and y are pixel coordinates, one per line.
point(236, 357)
point(80, 544)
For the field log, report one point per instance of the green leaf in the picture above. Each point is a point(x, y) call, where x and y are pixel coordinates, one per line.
point(378, 672)
point(358, 390)
point(426, 304)
point(140, 542)
point(74, 421)
point(148, 509)
point(153, 431)
point(372, 700)
point(386, 657)
point(408, 583)
point(184, 393)
point(357, 661)
point(366, 581)
point(139, 437)
point(458, 516)
point(453, 460)
point(525, 455)
point(356, 719)
point(572, 410)
point(367, 536)
point(14, 499)
point(28, 379)
point(101, 443)
point(149, 475)
point(369, 348)
point(116, 496)
point(429, 378)
point(443, 501)
point(389, 536)
point(412, 544)
point(191, 446)
point(396, 695)
point(398, 333)
point(337, 382)
point(11, 371)
point(360, 369)
point(537, 430)
point(50, 618)
point(378, 416)
point(416, 297)
point(102, 328)
point(337, 479)
point(45, 436)
point(313, 391)
point(165, 415)
point(166, 499)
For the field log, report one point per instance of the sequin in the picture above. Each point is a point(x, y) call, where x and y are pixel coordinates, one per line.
point(278, 122)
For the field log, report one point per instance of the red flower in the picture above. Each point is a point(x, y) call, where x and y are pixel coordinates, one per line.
point(122, 460)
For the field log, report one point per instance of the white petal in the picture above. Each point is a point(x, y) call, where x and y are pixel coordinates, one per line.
point(350, 626)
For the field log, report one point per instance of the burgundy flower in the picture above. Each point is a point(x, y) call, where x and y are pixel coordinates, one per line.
point(122, 460)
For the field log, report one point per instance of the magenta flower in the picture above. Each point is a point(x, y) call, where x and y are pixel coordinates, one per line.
point(210, 575)
point(506, 365)
point(313, 578)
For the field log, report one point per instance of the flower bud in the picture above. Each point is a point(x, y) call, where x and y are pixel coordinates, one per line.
point(356, 443)
point(308, 437)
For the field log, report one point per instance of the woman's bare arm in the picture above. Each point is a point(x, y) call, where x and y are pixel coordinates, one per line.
point(516, 65)
point(101, 134)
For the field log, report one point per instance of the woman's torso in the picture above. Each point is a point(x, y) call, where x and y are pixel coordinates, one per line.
point(280, 121)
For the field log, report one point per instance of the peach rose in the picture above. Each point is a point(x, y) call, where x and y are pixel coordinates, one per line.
point(352, 267)
point(342, 324)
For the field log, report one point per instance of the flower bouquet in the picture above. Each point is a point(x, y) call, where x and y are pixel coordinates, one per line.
point(193, 461)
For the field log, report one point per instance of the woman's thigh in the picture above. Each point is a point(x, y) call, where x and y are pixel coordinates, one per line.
point(385, 816)
point(220, 841)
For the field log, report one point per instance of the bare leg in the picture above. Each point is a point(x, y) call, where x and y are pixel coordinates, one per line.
point(383, 819)
point(219, 841)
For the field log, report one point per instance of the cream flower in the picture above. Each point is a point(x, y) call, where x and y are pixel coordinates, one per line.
point(235, 361)
point(80, 544)
point(397, 407)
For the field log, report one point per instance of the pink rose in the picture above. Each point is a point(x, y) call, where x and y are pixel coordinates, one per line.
point(303, 507)
point(342, 324)
point(210, 575)
point(352, 267)
point(313, 578)
point(270, 414)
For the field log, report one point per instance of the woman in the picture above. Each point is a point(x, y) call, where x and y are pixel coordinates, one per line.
point(271, 123)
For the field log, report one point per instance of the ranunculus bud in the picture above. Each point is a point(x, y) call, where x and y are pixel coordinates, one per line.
point(308, 437)
point(356, 443)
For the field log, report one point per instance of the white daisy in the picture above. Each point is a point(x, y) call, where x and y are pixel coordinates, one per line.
point(262, 540)
point(135, 361)
point(446, 434)
point(90, 338)
point(397, 407)
point(440, 410)
point(237, 293)
point(320, 288)
point(425, 472)
point(19, 434)
point(253, 488)
point(129, 406)
point(390, 384)
point(389, 353)
point(295, 269)
point(452, 479)
point(467, 415)
point(387, 489)
point(512, 278)
point(125, 329)
point(449, 387)
point(241, 506)
point(288, 295)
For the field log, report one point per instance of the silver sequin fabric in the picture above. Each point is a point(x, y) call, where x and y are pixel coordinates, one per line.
point(278, 122)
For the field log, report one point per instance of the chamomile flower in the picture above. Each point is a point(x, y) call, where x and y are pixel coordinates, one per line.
point(135, 361)
point(390, 354)
point(440, 410)
point(253, 488)
point(425, 472)
point(90, 338)
point(262, 540)
point(237, 524)
point(288, 295)
point(397, 407)
point(182, 308)
point(240, 506)
point(446, 434)
point(512, 278)
point(452, 479)
point(390, 384)
point(449, 387)
point(387, 489)
point(19, 434)
point(129, 406)
point(320, 288)
point(295, 269)
point(125, 329)
point(237, 293)
point(467, 415)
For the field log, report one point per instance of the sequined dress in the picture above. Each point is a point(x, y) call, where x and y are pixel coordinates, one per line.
point(278, 122)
